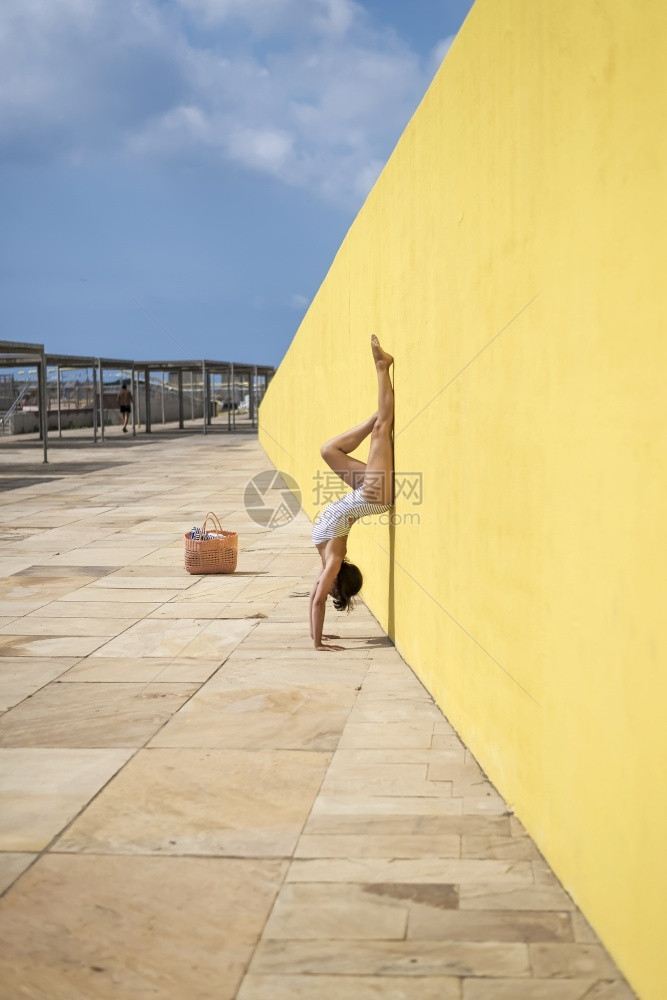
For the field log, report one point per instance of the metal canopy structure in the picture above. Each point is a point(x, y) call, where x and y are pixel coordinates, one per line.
point(85, 361)
point(195, 365)
point(14, 354)
point(97, 366)
point(232, 369)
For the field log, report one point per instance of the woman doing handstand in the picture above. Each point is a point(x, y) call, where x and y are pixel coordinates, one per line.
point(372, 493)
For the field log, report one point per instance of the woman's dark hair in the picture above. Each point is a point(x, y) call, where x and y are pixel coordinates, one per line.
point(348, 582)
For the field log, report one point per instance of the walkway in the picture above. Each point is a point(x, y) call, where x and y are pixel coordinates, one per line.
point(196, 805)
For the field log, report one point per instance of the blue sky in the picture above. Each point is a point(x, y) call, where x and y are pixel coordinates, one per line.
point(202, 157)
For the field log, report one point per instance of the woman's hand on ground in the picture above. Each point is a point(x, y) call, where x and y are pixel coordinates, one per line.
point(329, 649)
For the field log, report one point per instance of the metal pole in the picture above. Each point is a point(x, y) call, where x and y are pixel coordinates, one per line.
point(180, 398)
point(134, 404)
point(101, 379)
point(252, 395)
point(192, 395)
point(137, 395)
point(229, 400)
point(60, 428)
point(42, 408)
point(40, 428)
point(233, 399)
point(147, 397)
point(94, 384)
point(204, 394)
point(162, 397)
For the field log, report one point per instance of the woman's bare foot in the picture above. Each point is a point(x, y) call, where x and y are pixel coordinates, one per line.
point(380, 357)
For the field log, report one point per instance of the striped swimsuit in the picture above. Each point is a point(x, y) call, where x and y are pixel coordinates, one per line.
point(334, 520)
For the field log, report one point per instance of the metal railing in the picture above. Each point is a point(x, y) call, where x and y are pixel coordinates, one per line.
point(4, 418)
point(74, 393)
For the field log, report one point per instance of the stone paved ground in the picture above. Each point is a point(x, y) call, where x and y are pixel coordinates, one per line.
point(196, 804)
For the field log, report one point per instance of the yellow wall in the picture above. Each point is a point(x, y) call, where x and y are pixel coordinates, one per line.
point(512, 257)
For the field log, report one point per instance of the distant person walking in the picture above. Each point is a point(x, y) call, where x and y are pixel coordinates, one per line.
point(125, 403)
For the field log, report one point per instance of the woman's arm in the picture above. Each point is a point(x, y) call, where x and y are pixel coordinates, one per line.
point(319, 601)
point(310, 605)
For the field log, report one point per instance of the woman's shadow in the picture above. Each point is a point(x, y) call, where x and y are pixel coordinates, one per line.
point(391, 622)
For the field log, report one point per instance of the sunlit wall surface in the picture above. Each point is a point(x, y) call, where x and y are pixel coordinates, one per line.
point(512, 258)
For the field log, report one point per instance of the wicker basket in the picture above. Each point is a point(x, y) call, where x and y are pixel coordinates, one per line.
point(212, 555)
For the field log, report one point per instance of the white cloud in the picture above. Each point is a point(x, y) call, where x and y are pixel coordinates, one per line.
point(267, 17)
point(262, 148)
point(336, 17)
point(367, 176)
point(440, 50)
point(307, 91)
point(298, 301)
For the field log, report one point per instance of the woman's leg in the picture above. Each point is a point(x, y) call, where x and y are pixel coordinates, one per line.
point(336, 453)
point(379, 478)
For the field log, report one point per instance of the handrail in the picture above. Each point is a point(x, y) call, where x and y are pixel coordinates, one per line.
point(221, 392)
point(5, 416)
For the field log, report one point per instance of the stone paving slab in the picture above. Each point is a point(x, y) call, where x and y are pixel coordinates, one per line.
point(196, 803)
point(166, 927)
